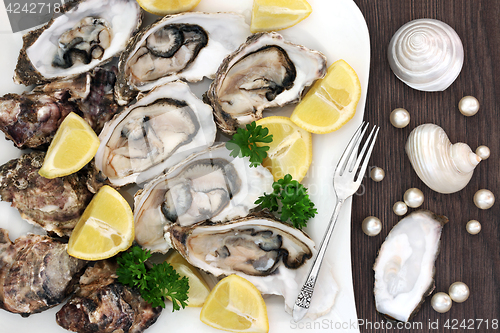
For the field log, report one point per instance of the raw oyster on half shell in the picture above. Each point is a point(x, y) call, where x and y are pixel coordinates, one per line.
point(87, 34)
point(187, 46)
point(158, 131)
point(266, 71)
point(209, 185)
point(272, 255)
point(404, 268)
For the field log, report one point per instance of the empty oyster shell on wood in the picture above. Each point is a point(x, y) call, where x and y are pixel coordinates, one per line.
point(426, 54)
point(441, 165)
point(187, 46)
point(266, 71)
point(404, 268)
point(87, 34)
point(158, 131)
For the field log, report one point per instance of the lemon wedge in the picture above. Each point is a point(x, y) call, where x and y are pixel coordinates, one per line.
point(235, 305)
point(74, 145)
point(198, 288)
point(291, 148)
point(268, 15)
point(105, 228)
point(331, 102)
point(164, 7)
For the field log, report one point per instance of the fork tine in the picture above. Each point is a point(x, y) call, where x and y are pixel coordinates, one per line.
point(368, 154)
point(354, 155)
point(341, 165)
point(355, 165)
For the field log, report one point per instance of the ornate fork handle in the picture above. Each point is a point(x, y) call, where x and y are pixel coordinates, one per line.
point(304, 298)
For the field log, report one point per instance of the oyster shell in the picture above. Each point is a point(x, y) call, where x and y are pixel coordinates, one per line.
point(404, 268)
point(272, 255)
point(185, 46)
point(207, 185)
point(87, 34)
point(266, 71)
point(158, 131)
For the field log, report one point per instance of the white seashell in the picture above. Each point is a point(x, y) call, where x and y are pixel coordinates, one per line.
point(441, 165)
point(426, 54)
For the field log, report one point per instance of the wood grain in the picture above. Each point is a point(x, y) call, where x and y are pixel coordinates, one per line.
point(474, 260)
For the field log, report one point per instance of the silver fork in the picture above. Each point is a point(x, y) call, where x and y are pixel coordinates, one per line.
point(345, 185)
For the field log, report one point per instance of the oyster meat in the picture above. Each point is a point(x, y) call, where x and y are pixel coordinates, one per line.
point(266, 71)
point(31, 120)
point(404, 268)
point(187, 46)
point(272, 255)
point(54, 204)
point(101, 304)
point(207, 185)
point(36, 273)
point(158, 131)
point(87, 34)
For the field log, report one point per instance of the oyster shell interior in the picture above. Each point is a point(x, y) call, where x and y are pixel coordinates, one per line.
point(266, 71)
point(208, 185)
point(404, 268)
point(153, 134)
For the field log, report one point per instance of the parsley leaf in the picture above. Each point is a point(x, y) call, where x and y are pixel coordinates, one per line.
point(154, 284)
point(295, 203)
point(244, 143)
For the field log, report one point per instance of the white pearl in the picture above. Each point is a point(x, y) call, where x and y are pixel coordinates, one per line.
point(441, 302)
point(468, 106)
point(459, 292)
point(377, 174)
point(400, 118)
point(371, 226)
point(484, 199)
point(483, 152)
point(473, 227)
point(413, 197)
point(400, 208)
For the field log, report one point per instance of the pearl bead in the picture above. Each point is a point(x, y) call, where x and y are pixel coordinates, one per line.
point(473, 227)
point(483, 152)
point(459, 292)
point(377, 174)
point(413, 197)
point(400, 118)
point(400, 208)
point(371, 226)
point(468, 106)
point(441, 302)
point(484, 199)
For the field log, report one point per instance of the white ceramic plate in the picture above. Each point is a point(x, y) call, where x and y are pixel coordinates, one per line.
point(336, 28)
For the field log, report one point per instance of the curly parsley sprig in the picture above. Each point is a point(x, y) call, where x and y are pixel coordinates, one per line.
point(244, 143)
point(154, 284)
point(295, 203)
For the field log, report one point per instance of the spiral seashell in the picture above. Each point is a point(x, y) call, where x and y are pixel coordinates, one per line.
point(426, 54)
point(441, 165)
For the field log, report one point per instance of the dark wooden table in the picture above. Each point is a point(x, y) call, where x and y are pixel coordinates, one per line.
point(473, 259)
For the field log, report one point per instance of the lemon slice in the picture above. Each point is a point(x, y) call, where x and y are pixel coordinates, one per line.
point(198, 288)
point(105, 228)
point(235, 305)
point(73, 146)
point(331, 102)
point(164, 7)
point(291, 148)
point(268, 15)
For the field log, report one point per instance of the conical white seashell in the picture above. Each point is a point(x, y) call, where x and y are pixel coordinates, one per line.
point(441, 165)
point(426, 54)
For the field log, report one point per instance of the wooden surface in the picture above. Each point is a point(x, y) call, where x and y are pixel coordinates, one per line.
point(473, 259)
